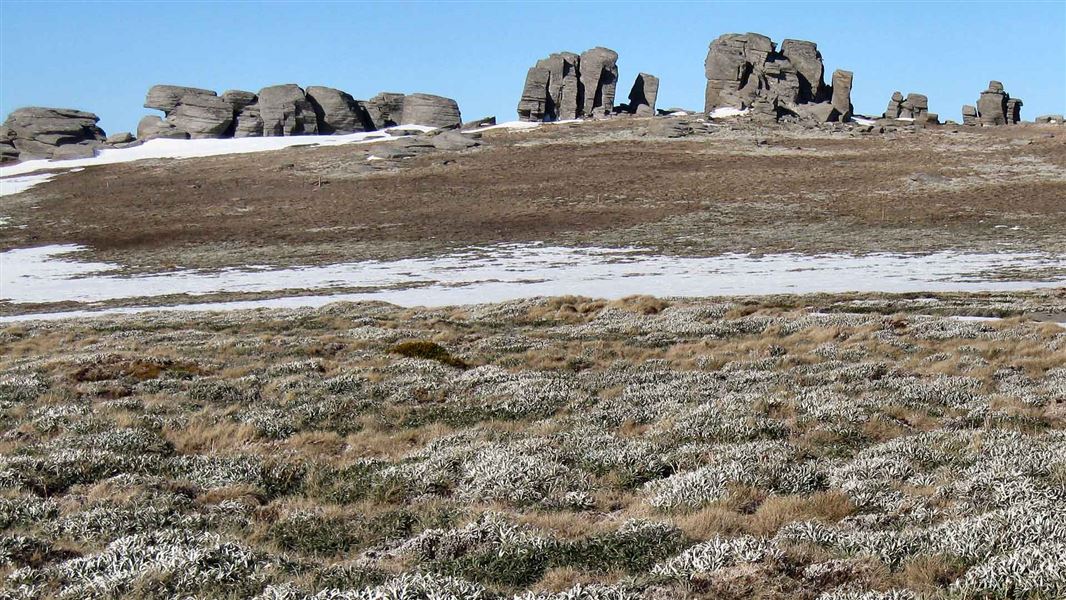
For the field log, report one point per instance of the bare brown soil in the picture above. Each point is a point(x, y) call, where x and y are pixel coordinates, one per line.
point(614, 183)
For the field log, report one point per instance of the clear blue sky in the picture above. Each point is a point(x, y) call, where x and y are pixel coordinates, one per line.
point(102, 57)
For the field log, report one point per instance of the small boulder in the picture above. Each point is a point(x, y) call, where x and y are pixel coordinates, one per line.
point(123, 137)
point(483, 122)
point(453, 140)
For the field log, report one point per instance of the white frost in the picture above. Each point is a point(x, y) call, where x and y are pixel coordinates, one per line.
point(516, 271)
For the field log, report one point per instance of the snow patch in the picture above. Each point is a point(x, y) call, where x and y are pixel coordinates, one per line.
point(507, 125)
point(723, 112)
point(14, 185)
point(177, 149)
point(863, 121)
point(46, 274)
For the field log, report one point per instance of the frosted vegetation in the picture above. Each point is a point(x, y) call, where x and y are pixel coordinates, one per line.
point(819, 448)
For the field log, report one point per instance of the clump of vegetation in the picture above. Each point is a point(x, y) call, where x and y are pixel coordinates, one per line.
point(427, 350)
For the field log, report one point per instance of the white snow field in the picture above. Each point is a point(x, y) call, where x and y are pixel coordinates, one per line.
point(491, 274)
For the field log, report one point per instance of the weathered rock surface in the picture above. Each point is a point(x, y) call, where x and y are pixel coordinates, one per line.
point(239, 99)
point(286, 111)
point(430, 110)
point(337, 111)
point(167, 97)
point(969, 115)
point(996, 107)
point(1050, 119)
point(807, 61)
point(914, 106)
point(453, 140)
point(153, 126)
point(1014, 111)
point(535, 102)
point(123, 137)
point(202, 116)
point(385, 109)
point(249, 123)
point(482, 122)
point(643, 94)
point(38, 132)
point(599, 79)
point(841, 97)
point(566, 86)
point(746, 71)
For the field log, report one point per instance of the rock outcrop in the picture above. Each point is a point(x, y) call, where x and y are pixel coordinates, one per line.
point(996, 107)
point(153, 126)
point(914, 106)
point(202, 116)
point(567, 86)
point(38, 132)
point(643, 94)
point(969, 115)
point(747, 72)
point(337, 111)
point(167, 97)
point(286, 111)
point(385, 109)
point(599, 80)
point(841, 94)
point(1050, 119)
point(434, 111)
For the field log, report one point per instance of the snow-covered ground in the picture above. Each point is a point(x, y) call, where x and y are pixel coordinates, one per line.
point(13, 179)
point(46, 274)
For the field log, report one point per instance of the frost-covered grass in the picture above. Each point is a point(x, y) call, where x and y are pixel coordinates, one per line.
point(563, 448)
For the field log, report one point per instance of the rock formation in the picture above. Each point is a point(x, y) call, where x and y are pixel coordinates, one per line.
point(337, 111)
point(969, 115)
point(478, 123)
point(996, 107)
point(599, 78)
point(841, 96)
point(642, 96)
point(914, 106)
point(202, 116)
point(385, 109)
point(37, 132)
point(745, 71)
point(1050, 119)
point(434, 111)
point(286, 111)
point(153, 126)
point(567, 86)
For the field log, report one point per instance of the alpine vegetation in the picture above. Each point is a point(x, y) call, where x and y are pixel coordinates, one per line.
point(822, 448)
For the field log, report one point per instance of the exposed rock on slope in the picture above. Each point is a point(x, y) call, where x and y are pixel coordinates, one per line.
point(996, 107)
point(434, 111)
point(37, 132)
point(566, 85)
point(285, 110)
point(337, 111)
point(643, 94)
point(745, 71)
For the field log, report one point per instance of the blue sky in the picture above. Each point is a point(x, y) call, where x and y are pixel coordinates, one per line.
point(102, 57)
